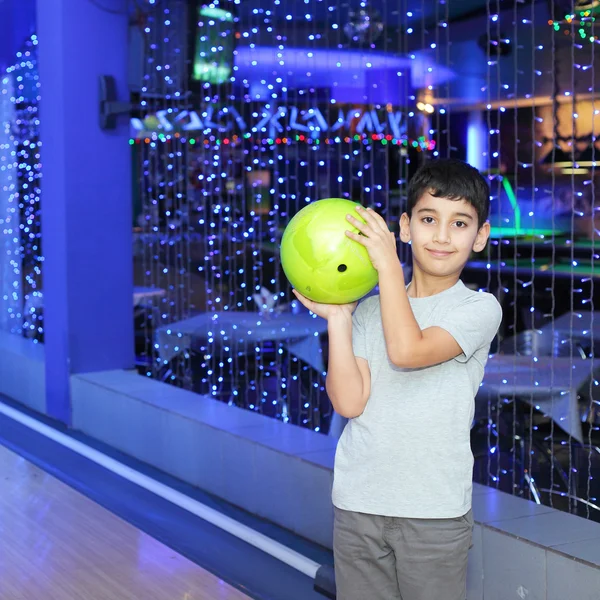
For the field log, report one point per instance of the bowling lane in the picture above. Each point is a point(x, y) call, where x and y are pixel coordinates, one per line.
point(57, 544)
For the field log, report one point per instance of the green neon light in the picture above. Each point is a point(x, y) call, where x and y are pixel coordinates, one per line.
point(216, 13)
point(513, 202)
point(505, 232)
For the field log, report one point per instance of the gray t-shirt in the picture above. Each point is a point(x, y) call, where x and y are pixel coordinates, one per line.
point(409, 453)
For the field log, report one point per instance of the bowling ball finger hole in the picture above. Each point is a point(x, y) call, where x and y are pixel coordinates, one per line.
point(342, 268)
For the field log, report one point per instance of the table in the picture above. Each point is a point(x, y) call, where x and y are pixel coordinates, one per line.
point(551, 384)
point(543, 245)
point(584, 325)
point(298, 333)
point(141, 294)
point(543, 342)
point(561, 269)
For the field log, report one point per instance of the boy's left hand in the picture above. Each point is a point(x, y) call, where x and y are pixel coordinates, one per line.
point(376, 237)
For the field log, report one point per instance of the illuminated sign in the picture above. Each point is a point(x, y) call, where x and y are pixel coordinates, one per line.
point(274, 122)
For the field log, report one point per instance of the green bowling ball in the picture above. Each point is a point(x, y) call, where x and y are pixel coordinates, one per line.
point(320, 261)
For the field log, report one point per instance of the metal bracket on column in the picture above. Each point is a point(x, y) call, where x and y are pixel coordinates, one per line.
point(110, 107)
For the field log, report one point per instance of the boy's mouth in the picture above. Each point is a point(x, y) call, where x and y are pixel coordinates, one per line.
point(439, 253)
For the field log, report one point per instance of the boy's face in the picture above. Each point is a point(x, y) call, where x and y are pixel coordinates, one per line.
point(443, 233)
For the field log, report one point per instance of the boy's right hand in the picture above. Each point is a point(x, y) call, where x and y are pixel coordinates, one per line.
point(327, 311)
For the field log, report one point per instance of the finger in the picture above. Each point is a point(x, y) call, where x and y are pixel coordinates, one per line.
point(360, 225)
point(378, 220)
point(304, 300)
point(363, 240)
point(375, 220)
point(299, 296)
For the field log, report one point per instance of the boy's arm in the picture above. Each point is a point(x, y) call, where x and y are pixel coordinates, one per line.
point(409, 346)
point(348, 377)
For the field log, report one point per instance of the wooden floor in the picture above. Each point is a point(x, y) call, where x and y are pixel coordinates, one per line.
point(57, 544)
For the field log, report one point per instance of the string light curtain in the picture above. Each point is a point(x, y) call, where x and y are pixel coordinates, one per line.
point(297, 101)
point(318, 104)
point(162, 229)
point(537, 430)
point(20, 193)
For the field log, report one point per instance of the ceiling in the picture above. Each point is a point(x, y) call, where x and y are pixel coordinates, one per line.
point(464, 56)
point(407, 25)
point(524, 70)
point(393, 12)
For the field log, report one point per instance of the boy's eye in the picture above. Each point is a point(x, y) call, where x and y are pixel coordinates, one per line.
point(428, 220)
point(461, 224)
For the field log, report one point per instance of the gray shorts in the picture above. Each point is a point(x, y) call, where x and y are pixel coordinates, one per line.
point(390, 558)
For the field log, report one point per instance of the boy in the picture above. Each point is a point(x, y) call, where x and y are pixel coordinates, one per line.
point(404, 369)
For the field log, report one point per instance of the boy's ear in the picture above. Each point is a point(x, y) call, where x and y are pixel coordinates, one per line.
point(482, 237)
point(405, 228)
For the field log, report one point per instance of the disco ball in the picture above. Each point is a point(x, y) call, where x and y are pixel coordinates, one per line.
point(364, 25)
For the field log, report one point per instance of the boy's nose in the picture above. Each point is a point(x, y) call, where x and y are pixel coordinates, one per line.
point(442, 235)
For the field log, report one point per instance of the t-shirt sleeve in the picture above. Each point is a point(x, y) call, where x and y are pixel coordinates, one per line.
point(473, 323)
point(359, 329)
